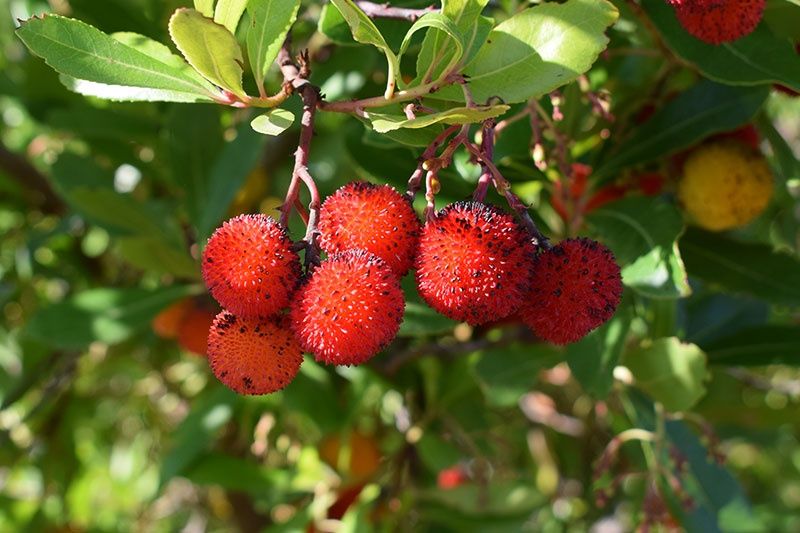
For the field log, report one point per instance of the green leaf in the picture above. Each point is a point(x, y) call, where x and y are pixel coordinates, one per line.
point(126, 93)
point(418, 138)
point(194, 141)
point(757, 346)
point(123, 93)
point(228, 13)
point(744, 268)
point(783, 18)
point(234, 473)
point(210, 48)
point(273, 122)
point(755, 59)
point(788, 165)
point(105, 315)
point(364, 31)
point(439, 23)
point(383, 123)
point(206, 7)
point(437, 51)
point(124, 124)
point(84, 53)
point(704, 109)
point(718, 494)
point(156, 50)
point(505, 374)
point(195, 435)
point(593, 358)
point(670, 371)
point(157, 255)
point(147, 232)
point(642, 233)
point(270, 21)
point(118, 213)
point(226, 176)
point(538, 50)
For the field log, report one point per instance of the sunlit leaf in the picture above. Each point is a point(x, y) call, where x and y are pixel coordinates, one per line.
point(273, 122)
point(209, 47)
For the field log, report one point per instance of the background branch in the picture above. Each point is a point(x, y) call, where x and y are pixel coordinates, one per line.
point(31, 180)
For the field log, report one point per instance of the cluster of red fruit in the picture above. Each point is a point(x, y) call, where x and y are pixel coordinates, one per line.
point(473, 263)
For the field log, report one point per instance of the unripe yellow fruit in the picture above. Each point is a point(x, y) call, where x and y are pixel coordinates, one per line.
point(725, 185)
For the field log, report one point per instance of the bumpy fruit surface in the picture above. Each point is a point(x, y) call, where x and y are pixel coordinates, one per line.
point(349, 309)
point(253, 355)
point(375, 218)
point(249, 266)
point(193, 330)
point(576, 287)
point(474, 263)
point(719, 21)
point(725, 185)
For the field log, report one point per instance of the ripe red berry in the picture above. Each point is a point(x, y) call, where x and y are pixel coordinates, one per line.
point(474, 263)
point(576, 287)
point(349, 309)
point(719, 21)
point(250, 267)
point(375, 218)
point(253, 355)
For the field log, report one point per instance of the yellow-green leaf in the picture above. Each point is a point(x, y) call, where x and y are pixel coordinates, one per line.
point(364, 31)
point(209, 47)
point(270, 21)
point(383, 123)
point(273, 122)
point(80, 51)
point(229, 12)
point(206, 7)
point(670, 371)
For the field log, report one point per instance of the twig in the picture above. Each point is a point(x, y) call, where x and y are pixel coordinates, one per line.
point(296, 77)
point(598, 101)
point(789, 388)
point(504, 187)
point(438, 348)
point(357, 106)
point(26, 175)
point(487, 151)
point(415, 181)
point(385, 11)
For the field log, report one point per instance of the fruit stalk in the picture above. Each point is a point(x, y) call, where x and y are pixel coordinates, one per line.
point(415, 181)
point(297, 76)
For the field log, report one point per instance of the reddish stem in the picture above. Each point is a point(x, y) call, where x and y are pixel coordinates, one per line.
point(296, 77)
point(504, 187)
point(415, 181)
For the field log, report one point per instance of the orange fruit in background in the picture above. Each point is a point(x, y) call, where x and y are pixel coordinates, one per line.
point(364, 457)
point(167, 322)
point(193, 330)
